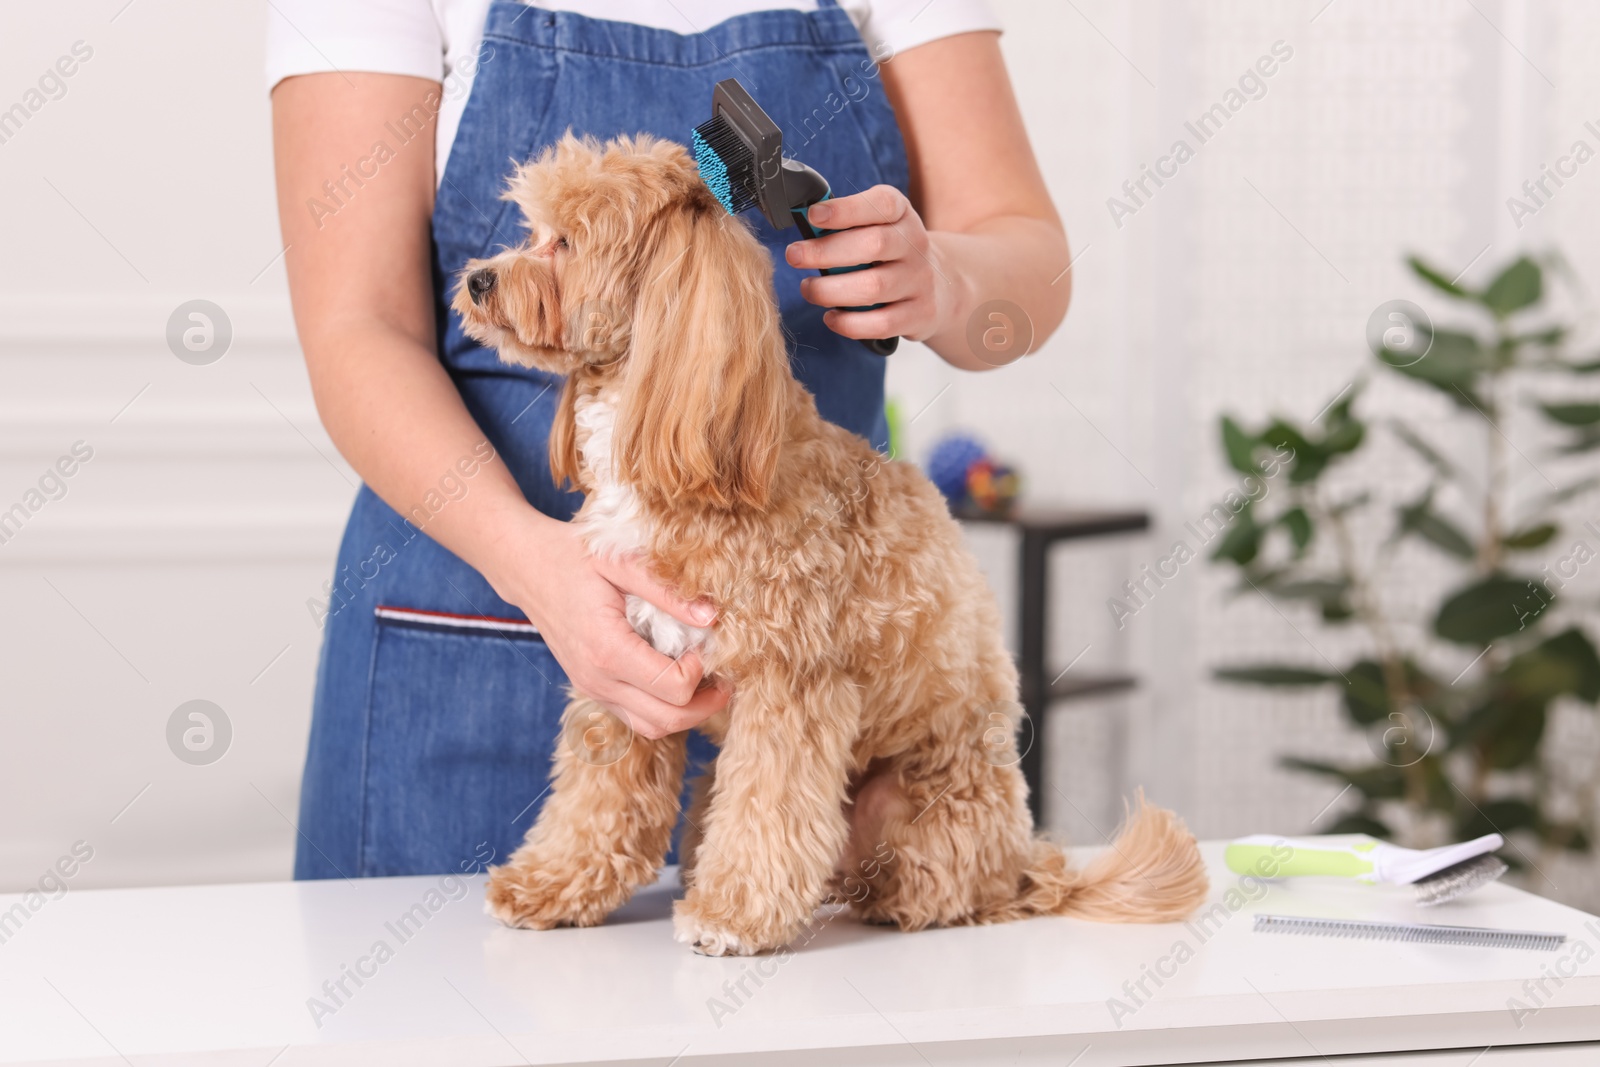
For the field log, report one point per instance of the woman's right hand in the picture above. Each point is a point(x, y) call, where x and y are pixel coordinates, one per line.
point(577, 602)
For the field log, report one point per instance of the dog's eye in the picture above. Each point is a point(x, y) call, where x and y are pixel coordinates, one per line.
point(561, 244)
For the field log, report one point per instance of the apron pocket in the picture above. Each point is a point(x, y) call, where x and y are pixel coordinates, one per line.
point(463, 719)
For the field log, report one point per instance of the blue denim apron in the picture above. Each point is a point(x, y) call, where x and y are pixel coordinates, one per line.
point(432, 735)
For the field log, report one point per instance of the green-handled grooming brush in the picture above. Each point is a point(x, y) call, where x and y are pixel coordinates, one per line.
point(740, 154)
point(1438, 874)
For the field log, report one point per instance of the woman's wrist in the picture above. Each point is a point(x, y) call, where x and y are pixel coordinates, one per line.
point(953, 299)
point(514, 532)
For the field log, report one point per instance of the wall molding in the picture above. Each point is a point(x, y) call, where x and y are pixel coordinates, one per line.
point(53, 321)
point(117, 537)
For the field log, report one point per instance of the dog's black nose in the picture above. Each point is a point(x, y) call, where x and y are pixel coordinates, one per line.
point(479, 284)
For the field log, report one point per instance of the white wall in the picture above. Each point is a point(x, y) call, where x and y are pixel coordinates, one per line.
point(179, 562)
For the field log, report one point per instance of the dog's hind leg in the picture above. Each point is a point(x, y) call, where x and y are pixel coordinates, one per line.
point(776, 826)
point(602, 833)
point(938, 839)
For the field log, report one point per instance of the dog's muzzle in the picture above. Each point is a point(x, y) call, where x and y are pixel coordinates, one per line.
point(480, 283)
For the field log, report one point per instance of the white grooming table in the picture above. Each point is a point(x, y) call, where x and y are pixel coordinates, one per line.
point(226, 975)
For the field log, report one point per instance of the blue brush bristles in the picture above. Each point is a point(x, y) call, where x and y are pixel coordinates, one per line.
point(712, 171)
point(726, 164)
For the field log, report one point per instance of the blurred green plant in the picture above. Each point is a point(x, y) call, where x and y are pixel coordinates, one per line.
point(1436, 742)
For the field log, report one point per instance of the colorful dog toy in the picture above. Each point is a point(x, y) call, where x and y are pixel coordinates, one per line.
point(973, 481)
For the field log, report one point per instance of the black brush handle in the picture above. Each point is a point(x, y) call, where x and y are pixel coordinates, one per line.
point(884, 346)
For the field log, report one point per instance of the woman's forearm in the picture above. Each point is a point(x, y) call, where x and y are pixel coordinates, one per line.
point(412, 440)
point(364, 306)
point(1006, 288)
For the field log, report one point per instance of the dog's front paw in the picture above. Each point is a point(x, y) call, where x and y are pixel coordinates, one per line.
point(714, 931)
point(707, 938)
point(535, 899)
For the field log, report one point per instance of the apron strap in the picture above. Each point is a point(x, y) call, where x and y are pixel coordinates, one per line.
point(823, 5)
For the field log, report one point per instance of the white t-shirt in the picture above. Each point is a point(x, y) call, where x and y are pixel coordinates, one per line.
point(438, 39)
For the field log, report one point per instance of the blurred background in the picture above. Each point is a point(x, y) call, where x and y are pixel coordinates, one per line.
point(182, 557)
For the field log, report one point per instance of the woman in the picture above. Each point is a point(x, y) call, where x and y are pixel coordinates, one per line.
point(462, 603)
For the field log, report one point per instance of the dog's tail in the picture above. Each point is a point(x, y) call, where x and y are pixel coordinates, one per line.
point(1152, 873)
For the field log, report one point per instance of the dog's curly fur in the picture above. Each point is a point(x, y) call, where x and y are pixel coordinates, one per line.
point(868, 752)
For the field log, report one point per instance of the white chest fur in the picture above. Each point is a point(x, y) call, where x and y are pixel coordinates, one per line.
point(613, 524)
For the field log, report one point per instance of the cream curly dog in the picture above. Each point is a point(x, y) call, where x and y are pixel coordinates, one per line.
point(869, 745)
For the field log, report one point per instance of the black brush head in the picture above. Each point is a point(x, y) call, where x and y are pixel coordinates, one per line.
point(740, 154)
point(727, 165)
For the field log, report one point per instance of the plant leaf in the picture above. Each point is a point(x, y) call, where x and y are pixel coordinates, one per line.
point(1274, 675)
point(1436, 279)
point(1491, 608)
point(1335, 611)
point(1366, 700)
point(1561, 496)
point(1424, 449)
point(1551, 335)
point(1520, 285)
point(1309, 459)
point(1453, 362)
point(1243, 540)
point(1419, 518)
point(1497, 817)
point(1379, 781)
point(1573, 414)
point(1566, 835)
point(1586, 367)
point(1531, 536)
point(1514, 738)
point(1346, 437)
point(1587, 440)
point(1298, 523)
point(1563, 665)
point(1240, 447)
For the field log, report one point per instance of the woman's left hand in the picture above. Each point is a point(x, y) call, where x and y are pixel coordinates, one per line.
point(877, 226)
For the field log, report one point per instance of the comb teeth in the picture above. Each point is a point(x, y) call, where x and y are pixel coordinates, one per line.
point(1423, 933)
point(727, 165)
point(1459, 880)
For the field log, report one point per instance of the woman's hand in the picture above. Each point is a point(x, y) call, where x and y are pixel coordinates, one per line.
point(878, 226)
point(978, 242)
point(576, 601)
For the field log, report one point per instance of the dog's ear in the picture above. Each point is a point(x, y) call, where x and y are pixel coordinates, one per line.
point(564, 460)
point(707, 390)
